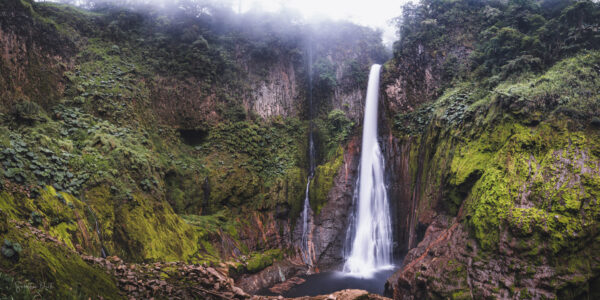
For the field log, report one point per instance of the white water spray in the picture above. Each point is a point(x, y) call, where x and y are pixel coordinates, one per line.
point(372, 241)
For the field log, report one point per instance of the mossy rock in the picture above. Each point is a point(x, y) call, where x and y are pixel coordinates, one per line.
point(150, 230)
point(322, 182)
point(57, 272)
point(260, 261)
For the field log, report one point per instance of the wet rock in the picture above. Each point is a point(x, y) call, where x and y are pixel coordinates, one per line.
point(339, 295)
point(271, 275)
point(285, 286)
point(328, 232)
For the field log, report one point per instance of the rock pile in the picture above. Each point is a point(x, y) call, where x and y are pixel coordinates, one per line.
point(339, 295)
point(174, 280)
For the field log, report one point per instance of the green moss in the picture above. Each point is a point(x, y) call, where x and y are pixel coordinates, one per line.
point(461, 295)
point(102, 212)
point(150, 230)
point(57, 272)
point(260, 261)
point(62, 214)
point(14, 207)
point(292, 188)
point(64, 232)
point(527, 161)
point(212, 254)
point(209, 226)
point(322, 182)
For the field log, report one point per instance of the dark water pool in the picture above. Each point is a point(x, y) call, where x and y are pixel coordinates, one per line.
point(329, 282)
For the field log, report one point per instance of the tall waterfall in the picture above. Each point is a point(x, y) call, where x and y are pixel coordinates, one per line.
point(307, 251)
point(371, 246)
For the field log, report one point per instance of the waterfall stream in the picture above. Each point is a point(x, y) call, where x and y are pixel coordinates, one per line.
point(371, 245)
point(103, 252)
point(305, 246)
point(307, 254)
point(368, 246)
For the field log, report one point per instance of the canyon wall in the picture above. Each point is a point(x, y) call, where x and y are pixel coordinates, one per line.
point(484, 202)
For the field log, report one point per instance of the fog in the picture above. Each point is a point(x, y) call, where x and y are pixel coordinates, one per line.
point(377, 14)
point(373, 13)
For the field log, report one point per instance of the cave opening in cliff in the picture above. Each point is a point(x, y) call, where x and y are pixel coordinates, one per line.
point(193, 137)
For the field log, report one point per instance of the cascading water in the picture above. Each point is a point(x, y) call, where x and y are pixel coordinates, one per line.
point(371, 245)
point(305, 243)
point(368, 245)
point(103, 252)
point(306, 253)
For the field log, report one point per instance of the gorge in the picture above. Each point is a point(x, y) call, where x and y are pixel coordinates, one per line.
point(192, 151)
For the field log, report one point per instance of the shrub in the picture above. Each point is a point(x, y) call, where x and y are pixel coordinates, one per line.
point(10, 249)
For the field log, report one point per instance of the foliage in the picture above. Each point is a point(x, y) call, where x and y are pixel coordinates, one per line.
point(26, 112)
point(36, 219)
point(325, 78)
point(333, 132)
point(11, 249)
point(107, 165)
point(509, 142)
point(413, 122)
point(272, 148)
point(339, 125)
point(510, 38)
point(517, 164)
point(12, 288)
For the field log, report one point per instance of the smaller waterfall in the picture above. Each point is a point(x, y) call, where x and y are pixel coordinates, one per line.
point(372, 241)
point(307, 253)
point(103, 252)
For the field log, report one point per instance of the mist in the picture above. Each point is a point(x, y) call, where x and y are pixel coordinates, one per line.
point(379, 16)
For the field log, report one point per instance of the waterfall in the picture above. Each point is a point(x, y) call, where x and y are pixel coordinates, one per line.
point(103, 252)
point(305, 243)
point(371, 246)
point(306, 253)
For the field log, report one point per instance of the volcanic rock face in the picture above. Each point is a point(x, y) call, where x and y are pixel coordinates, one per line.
point(457, 188)
point(332, 222)
point(494, 187)
point(32, 60)
point(448, 262)
point(328, 230)
point(277, 94)
point(455, 258)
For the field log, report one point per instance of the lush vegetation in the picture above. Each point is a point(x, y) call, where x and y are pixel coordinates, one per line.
point(508, 143)
point(507, 38)
point(131, 132)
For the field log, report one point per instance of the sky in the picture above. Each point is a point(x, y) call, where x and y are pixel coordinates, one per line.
point(372, 13)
